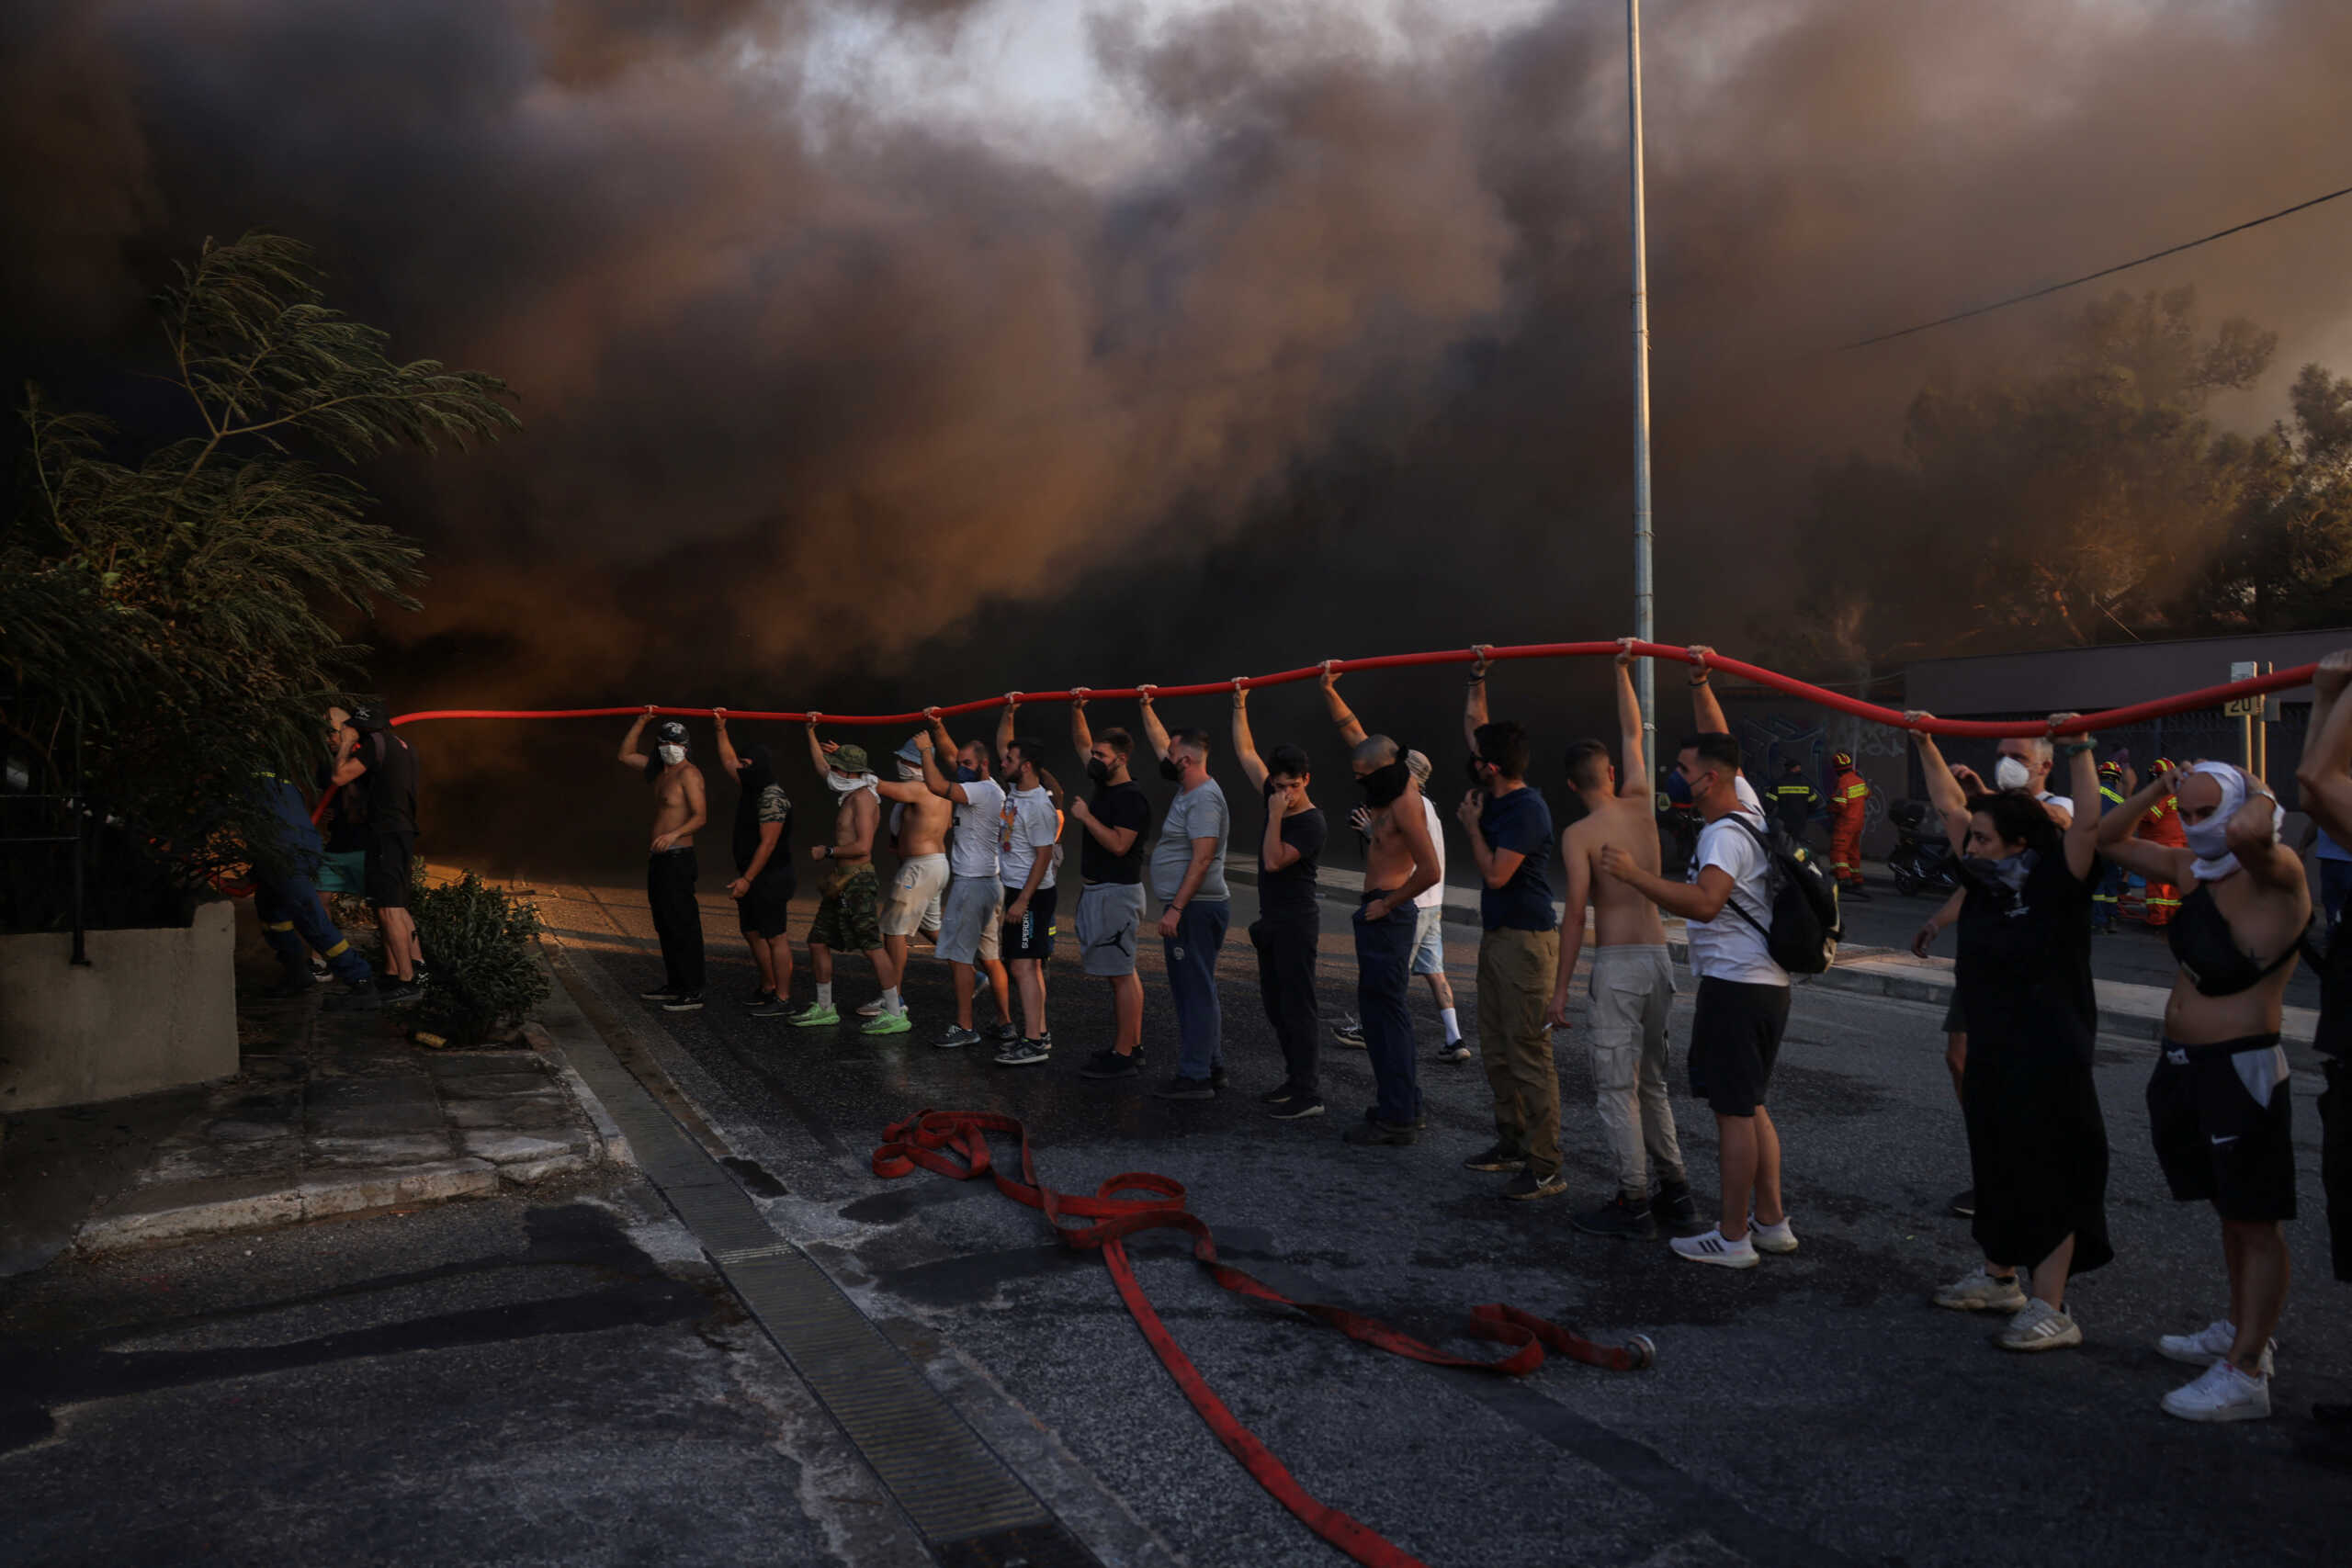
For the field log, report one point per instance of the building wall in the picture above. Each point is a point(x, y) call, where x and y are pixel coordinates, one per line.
point(155, 1009)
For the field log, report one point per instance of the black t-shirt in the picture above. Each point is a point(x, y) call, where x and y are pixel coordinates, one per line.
point(391, 783)
point(2024, 971)
point(1291, 891)
point(345, 827)
point(1115, 806)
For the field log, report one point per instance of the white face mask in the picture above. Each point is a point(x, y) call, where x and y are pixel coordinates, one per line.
point(2210, 840)
point(909, 772)
point(2010, 772)
point(672, 755)
point(848, 784)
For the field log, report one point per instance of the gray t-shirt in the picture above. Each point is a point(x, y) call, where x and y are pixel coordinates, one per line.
point(1193, 814)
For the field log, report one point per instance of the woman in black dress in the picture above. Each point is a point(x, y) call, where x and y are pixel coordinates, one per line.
point(2035, 1135)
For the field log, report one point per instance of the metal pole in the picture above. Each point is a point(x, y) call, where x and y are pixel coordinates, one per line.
point(1645, 674)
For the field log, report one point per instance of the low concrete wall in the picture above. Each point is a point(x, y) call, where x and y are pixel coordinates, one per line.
point(156, 1009)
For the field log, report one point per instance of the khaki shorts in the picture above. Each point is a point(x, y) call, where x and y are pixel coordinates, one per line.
point(971, 922)
point(914, 894)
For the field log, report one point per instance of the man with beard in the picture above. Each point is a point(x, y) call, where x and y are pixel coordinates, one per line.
point(372, 751)
point(1109, 900)
point(765, 880)
point(849, 915)
point(678, 813)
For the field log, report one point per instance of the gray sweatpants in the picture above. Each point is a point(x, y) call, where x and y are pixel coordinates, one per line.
point(1633, 992)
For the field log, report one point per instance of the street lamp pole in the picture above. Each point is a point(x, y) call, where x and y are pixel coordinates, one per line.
point(1646, 676)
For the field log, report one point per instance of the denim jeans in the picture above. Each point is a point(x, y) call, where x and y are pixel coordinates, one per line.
point(1384, 950)
point(1192, 981)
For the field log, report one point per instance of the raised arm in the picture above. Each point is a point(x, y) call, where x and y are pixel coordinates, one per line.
point(1153, 730)
point(2082, 776)
point(929, 747)
point(2326, 770)
point(1473, 707)
point(630, 756)
point(1244, 747)
point(2252, 837)
point(727, 757)
point(1944, 789)
point(1633, 769)
point(2153, 861)
point(348, 763)
point(1333, 703)
point(1004, 725)
point(1704, 709)
point(1081, 737)
point(817, 748)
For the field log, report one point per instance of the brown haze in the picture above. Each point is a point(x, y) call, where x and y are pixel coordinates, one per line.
point(822, 409)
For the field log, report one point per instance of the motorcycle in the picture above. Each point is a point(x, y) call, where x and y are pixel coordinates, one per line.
point(1922, 858)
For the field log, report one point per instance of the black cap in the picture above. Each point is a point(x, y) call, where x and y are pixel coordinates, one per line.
point(670, 733)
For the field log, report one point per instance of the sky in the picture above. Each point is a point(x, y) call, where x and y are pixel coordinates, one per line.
point(890, 351)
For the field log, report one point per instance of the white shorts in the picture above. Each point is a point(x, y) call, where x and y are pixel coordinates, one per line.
point(1429, 940)
point(914, 894)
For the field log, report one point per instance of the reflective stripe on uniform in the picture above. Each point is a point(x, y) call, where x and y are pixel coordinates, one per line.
point(277, 925)
point(339, 950)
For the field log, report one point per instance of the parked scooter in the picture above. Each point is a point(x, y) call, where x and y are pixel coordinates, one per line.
point(1922, 858)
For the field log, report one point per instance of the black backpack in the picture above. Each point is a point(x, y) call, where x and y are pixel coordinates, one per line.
point(1803, 937)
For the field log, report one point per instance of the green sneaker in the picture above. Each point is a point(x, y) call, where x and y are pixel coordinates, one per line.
point(814, 1016)
point(887, 1024)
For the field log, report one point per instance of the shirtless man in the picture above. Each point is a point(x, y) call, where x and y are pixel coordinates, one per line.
point(1632, 980)
point(919, 822)
point(1399, 863)
point(678, 812)
point(1428, 909)
point(847, 916)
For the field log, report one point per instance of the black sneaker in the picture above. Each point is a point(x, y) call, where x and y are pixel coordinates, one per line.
point(357, 996)
point(398, 992)
point(664, 995)
point(956, 1038)
point(1370, 1134)
point(1276, 1096)
point(1349, 1032)
point(1527, 1184)
point(1297, 1108)
point(1181, 1087)
point(1000, 1034)
point(763, 997)
point(1216, 1075)
point(685, 1001)
point(1108, 1064)
point(775, 1006)
point(1025, 1053)
point(1963, 1207)
point(1457, 1051)
point(1627, 1219)
point(1495, 1158)
point(1675, 1210)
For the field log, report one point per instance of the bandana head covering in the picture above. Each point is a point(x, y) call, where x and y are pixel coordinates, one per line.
point(2209, 839)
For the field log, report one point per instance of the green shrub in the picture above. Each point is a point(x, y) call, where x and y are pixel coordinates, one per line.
point(483, 946)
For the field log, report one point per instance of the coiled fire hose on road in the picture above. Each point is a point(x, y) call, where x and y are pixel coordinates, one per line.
point(2186, 702)
point(956, 1143)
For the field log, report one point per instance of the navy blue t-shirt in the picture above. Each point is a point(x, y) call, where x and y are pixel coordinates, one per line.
point(1520, 821)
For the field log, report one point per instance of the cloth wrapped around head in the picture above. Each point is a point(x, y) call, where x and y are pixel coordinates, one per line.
point(2209, 840)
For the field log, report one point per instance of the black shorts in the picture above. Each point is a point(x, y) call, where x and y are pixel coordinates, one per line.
point(386, 869)
point(1030, 936)
point(2214, 1139)
point(1735, 1038)
point(762, 909)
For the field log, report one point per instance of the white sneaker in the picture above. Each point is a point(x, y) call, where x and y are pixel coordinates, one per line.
point(871, 1010)
point(2038, 1326)
point(1713, 1248)
point(1980, 1292)
point(2209, 1345)
point(1781, 1237)
point(2222, 1393)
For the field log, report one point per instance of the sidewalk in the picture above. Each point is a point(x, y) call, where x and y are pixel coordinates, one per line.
point(332, 1114)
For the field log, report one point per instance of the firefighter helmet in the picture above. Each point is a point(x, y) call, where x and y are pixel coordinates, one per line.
point(2110, 769)
point(1842, 759)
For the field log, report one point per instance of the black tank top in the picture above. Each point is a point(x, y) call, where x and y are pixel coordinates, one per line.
point(2208, 950)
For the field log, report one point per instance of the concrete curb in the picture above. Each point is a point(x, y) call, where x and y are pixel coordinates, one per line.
point(613, 1144)
point(174, 1211)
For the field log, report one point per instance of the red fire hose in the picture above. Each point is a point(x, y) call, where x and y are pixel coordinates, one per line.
point(2187, 702)
point(956, 1143)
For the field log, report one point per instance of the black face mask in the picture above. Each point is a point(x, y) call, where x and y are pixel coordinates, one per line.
point(1170, 770)
point(966, 773)
point(1477, 777)
point(1383, 786)
point(1098, 770)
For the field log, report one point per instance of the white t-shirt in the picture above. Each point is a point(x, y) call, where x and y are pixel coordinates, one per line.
point(2060, 801)
point(971, 846)
point(1027, 826)
point(1747, 793)
point(1728, 947)
point(1434, 895)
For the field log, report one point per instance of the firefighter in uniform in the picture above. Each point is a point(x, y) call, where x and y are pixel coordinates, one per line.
point(1795, 798)
point(2162, 825)
point(2109, 892)
point(1848, 798)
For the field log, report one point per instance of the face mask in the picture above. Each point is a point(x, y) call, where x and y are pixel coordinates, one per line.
point(909, 772)
point(672, 755)
point(849, 783)
point(2011, 773)
point(1383, 786)
point(966, 774)
point(1170, 770)
point(1098, 770)
point(2210, 840)
point(2009, 873)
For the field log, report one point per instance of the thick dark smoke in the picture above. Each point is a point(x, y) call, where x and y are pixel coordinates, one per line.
point(828, 406)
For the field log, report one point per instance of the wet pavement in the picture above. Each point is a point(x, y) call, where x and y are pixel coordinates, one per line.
point(1814, 1409)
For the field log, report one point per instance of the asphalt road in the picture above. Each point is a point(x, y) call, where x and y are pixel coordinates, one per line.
point(1816, 1409)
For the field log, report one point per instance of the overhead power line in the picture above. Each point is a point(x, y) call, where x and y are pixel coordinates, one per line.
point(2105, 271)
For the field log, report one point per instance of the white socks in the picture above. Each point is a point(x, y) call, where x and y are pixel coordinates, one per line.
point(890, 1002)
point(1453, 1025)
point(825, 994)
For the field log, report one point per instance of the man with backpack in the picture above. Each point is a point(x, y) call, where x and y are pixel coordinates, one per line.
point(1727, 905)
